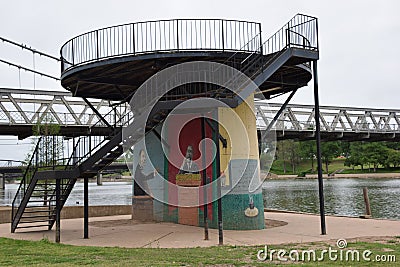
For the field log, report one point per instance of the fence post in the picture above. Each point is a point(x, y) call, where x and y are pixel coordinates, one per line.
point(222, 35)
point(97, 44)
point(261, 43)
point(73, 56)
point(177, 35)
point(367, 205)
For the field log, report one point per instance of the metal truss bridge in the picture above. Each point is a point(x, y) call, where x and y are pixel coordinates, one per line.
point(21, 109)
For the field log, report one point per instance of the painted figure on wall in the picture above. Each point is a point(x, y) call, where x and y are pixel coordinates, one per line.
point(188, 165)
point(140, 187)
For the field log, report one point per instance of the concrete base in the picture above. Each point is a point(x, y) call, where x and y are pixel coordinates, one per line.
point(142, 208)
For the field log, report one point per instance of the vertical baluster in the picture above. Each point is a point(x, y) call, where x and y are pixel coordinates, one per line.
point(133, 38)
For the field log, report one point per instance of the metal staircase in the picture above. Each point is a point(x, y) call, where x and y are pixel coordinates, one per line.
point(35, 202)
point(294, 45)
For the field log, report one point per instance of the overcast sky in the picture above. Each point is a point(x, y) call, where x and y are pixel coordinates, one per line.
point(359, 40)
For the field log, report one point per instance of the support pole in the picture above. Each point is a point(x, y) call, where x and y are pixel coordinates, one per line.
point(203, 159)
point(58, 211)
point(219, 201)
point(86, 208)
point(318, 141)
point(99, 178)
point(2, 181)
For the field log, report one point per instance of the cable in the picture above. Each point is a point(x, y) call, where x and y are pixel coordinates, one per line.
point(29, 49)
point(20, 144)
point(26, 69)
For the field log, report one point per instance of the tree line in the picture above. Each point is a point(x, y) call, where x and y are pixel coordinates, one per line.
point(369, 155)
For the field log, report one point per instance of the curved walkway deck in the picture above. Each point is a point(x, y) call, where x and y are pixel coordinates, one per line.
point(120, 231)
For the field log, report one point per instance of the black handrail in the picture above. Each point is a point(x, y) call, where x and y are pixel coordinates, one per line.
point(30, 168)
point(159, 36)
point(82, 151)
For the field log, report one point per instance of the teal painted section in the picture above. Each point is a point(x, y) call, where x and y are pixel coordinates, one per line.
point(233, 208)
point(158, 210)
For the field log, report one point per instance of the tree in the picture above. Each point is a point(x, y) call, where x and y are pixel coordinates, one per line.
point(266, 160)
point(393, 158)
point(357, 155)
point(288, 150)
point(376, 154)
point(344, 148)
point(281, 153)
point(329, 150)
point(308, 150)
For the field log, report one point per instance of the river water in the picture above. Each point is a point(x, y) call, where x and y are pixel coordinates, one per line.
point(342, 196)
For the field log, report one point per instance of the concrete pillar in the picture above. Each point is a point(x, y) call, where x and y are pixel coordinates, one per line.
point(239, 162)
point(99, 178)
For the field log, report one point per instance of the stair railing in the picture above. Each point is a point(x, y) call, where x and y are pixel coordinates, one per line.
point(300, 32)
point(88, 145)
point(47, 155)
point(30, 171)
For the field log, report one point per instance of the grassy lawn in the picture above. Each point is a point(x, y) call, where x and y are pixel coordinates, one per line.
point(45, 253)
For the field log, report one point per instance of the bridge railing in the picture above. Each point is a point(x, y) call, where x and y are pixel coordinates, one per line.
point(333, 119)
point(302, 126)
point(61, 118)
point(174, 35)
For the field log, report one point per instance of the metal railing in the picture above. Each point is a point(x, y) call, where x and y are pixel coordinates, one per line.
point(301, 118)
point(299, 32)
point(175, 35)
point(61, 118)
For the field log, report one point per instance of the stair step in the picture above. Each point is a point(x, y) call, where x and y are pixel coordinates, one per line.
point(90, 172)
point(39, 211)
point(109, 158)
point(43, 190)
point(49, 196)
point(35, 201)
point(32, 226)
point(37, 216)
point(35, 221)
point(37, 207)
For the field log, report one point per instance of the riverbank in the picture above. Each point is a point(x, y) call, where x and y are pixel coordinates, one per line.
point(272, 176)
